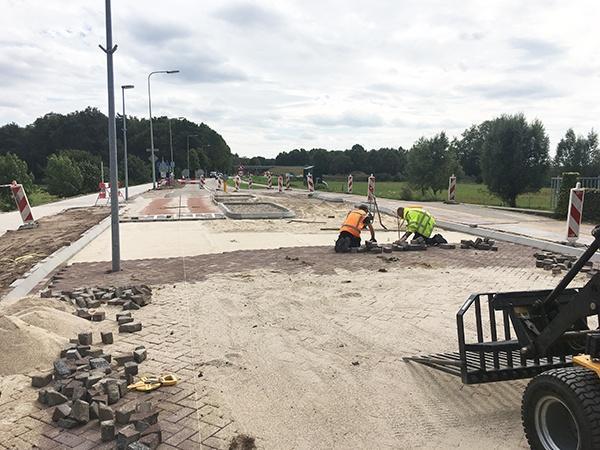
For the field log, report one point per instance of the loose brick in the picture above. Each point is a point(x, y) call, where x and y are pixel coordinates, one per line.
point(39, 380)
point(130, 327)
point(85, 338)
point(131, 368)
point(61, 412)
point(107, 430)
point(127, 436)
point(107, 337)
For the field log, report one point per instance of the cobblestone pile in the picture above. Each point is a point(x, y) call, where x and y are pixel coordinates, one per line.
point(87, 385)
point(479, 244)
point(557, 262)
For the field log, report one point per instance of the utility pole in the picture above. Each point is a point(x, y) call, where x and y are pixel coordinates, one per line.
point(188, 152)
point(112, 144)
point(171, 144)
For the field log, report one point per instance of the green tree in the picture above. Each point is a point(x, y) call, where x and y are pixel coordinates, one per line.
point(13, 168)
point(469, 147)
point(515, 157)
point(139, 171)
point(430, 163)
point(63, 177)
point(577, 153)
point(89, 166)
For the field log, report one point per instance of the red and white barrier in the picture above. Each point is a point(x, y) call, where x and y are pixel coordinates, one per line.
point(219, 183)
point(237, 183)
point(280, 183)
point(250, 181)
point(269, 180)
point(22, 202)
point(350, 183)
point(104, 193)
point(310, 183)
point(288, 183)
point(202, 181)
point(371, 189)
point(575, 213)
point(452, 189)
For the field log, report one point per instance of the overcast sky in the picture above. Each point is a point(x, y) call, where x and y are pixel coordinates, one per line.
point(276, 75)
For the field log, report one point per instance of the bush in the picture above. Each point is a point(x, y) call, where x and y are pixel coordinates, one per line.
point(63, 176)
point(569, 180)
point(13, 168)
point(406, 193)
point(591, 205)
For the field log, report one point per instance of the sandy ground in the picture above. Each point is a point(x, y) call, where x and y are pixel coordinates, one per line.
point(21, 250)
point(315, 361)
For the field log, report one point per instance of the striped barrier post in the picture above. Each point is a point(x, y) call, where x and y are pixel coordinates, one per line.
point(269, 180)
point(237, 183)
point(288, 182)
point(452, 189)
point(371, 189)
point(102, 193)
point(310, 183)
point(250, 181)
point(280, 183)
point(575, 213)
point(219, 183)
point(202, 181)
point(22, 202)
point(350, 183)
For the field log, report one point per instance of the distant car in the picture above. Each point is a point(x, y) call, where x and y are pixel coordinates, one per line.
point(213, 174)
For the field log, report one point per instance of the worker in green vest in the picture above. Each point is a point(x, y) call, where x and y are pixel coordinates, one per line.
point(420, 223)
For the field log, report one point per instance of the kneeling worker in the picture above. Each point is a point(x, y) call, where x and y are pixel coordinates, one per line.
point(421, 223)
point(356, 220)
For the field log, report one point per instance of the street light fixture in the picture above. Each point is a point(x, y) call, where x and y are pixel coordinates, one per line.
point(188, 152)
point(126, 86)
point(151, 131)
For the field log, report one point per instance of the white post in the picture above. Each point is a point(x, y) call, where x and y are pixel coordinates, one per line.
point(575, 213)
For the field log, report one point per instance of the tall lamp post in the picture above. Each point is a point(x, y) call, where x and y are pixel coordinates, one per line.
point(126, 86)
point(112, 143)
point(151, 131)
point(188, 152)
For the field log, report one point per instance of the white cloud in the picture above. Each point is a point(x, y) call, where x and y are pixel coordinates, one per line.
point(275, 75)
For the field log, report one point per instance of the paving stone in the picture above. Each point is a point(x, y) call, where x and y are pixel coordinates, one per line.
point(67, 423)
point(92, 304)
point(129, 305)
point(107, 337)
point(80, 411)
point(131, 368)
point(54, 398)
point(143, 420)
point(122, 358)
point(127, 436)
point(122, 387)
point(100, 398)
point(107, 430)
point(39, 380)
point(112, 392)
point(98, 316)
point(137, 446)
point(94, 410)
point(124, 320)
point(123, 314)
point(61, 368)
point(92, 379)
point(124, 413)
point(130, 327)
point(139, 355)
point(84, 350)
point(105, 412)
point(447, 246)
point(95, 352)
point(69, 388)
point(61, 412)
point(85, 338)
point(99, 363)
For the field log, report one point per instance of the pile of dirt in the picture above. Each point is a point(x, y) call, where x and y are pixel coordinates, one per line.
point(32, 333)
point(22, 249)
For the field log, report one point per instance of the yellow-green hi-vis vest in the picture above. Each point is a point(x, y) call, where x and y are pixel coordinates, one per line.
point(419, 221)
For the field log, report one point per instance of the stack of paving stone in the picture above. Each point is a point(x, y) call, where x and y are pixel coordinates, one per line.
point(87, 300)
point(87, 384)
point(557, 262)
point(479, 244)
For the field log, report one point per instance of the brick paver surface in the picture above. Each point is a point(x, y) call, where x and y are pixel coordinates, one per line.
point(182, 337)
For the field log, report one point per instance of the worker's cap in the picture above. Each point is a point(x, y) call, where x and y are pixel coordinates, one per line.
point(363, 207)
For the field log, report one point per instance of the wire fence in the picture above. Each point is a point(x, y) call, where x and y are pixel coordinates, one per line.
point(586, 182)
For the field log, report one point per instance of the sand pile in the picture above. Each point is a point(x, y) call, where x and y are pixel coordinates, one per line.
point(32, 333)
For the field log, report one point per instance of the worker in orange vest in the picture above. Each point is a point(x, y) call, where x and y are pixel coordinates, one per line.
point(355, 222)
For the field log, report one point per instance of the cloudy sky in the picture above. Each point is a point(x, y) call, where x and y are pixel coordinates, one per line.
point(276, 75)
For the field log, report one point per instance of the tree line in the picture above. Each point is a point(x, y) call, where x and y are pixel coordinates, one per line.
point(509, 154)
point(65, 151)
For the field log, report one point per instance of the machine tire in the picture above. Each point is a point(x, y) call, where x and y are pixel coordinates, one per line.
point(568, 398)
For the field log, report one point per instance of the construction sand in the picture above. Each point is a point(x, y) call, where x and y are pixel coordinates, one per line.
point(315, 361)
point(33, 331)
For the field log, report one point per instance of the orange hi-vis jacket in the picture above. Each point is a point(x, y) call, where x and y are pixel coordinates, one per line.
point(355, 222)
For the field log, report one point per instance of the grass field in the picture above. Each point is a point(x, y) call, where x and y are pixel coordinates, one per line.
point(465, 193)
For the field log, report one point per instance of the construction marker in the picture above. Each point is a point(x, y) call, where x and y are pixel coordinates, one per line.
point(575, 214)
point(269, 180)
point(22, 202)
point(237, 183)
point(280, 183)
point(371, 186)
point(250, 181)
point(452, 189)
point(311, 184)
point(350, 182)
point(288, 182)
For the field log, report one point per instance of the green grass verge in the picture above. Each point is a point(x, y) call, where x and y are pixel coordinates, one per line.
point(465, 193)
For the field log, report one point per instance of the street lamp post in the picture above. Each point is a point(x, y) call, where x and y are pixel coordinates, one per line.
point(126, 86)
point(188, 152)
point(171, 145)
point(151, 131)
point(112, 143)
